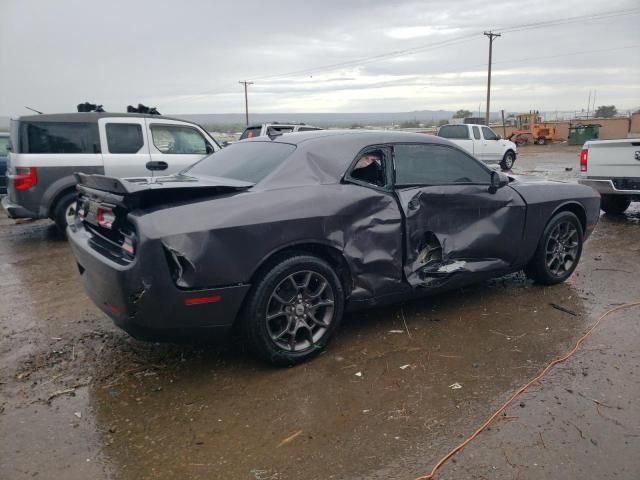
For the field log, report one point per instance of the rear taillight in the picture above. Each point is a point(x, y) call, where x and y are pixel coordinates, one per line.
point(24, 178)
point(105, 217)
point(583, 160)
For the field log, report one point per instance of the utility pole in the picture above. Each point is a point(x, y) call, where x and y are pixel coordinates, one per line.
point(246, 100)
point(491, 36)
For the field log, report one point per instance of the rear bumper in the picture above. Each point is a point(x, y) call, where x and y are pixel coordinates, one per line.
point(16, 211)
point(142, 299)
point(606, 187)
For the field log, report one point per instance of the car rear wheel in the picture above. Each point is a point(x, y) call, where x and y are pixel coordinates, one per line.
point(293, 310)
point(64, 211)
point(614, 204)
point(508, 160)
point(558, 250)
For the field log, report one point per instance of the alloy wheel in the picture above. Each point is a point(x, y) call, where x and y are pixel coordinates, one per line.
point(562, 248)
point(300, 310)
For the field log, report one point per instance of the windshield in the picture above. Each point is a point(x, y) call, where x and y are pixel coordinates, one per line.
point(246, 161)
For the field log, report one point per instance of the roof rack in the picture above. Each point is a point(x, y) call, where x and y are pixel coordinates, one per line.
point(89, 107)
point(143, 109)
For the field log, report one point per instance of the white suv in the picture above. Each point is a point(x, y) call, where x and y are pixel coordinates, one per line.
point(47, 150)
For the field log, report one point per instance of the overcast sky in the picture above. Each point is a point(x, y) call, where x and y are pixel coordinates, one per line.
point(187, 57)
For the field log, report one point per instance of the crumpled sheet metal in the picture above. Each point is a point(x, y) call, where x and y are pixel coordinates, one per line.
point(464, 226)
point(364, 225)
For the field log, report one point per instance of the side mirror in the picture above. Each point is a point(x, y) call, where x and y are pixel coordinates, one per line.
point(157, 166)
point(499, 137)
point(498, 180)
point(209, 149)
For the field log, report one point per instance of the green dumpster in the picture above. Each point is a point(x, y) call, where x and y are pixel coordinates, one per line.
point(579, 134)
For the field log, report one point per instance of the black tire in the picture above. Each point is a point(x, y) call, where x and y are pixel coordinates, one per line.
point(508, 160)
point(265, 296)
point(614, 204)
point(552, 252)
point(541, 141)
point(60, 211)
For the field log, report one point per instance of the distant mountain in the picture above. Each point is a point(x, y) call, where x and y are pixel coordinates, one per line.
point(320, 119)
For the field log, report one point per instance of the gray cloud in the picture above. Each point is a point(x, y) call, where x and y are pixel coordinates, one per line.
point(188, 57)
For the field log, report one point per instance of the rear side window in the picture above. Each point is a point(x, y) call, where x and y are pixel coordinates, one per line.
point(172, 139)
point(246, 161)
point(460, 132)
point(59, 137)
point(251, 132)
point(436, 165)
point(4, 146)
point(308, 129)
point(124, 137)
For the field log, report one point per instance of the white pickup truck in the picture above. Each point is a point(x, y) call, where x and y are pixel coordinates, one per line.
point(481, 142)
point(612, 167)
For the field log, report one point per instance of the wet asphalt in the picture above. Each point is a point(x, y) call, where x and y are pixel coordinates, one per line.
point(397, 388)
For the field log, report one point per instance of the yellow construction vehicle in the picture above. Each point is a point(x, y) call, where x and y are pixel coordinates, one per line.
point(530, 129)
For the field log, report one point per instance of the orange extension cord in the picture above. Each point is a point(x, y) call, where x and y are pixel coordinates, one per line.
point(518, 392)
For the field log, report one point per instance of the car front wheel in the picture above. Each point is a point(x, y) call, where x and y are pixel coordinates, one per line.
point(508, 160)
point(293, 310)
point(558, 250)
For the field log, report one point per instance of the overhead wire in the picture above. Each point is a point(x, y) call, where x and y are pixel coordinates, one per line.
point(445, 43)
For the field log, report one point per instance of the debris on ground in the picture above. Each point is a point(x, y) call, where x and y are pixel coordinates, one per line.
point(563, 309)
point(289, 438)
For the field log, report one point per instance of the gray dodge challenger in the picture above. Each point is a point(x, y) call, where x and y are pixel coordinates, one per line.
point(279, 237)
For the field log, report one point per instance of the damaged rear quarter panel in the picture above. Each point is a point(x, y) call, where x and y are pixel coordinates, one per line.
point(226, 239)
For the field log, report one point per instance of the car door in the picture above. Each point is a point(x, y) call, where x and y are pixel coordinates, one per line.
point(178, 144)
point(455, 222)
point(491, 148)
point(125, 146)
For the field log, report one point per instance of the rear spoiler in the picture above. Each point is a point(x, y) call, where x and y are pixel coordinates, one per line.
point(121, 186)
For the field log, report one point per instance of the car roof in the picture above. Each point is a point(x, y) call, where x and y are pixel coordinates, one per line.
point(323, 156)
point(356, 136)
point(280, 124)
point(91, 117)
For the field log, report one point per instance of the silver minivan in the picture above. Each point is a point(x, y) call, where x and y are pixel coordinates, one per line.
point(46, 151)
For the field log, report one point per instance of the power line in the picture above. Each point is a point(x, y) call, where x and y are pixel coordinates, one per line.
point(445, 43)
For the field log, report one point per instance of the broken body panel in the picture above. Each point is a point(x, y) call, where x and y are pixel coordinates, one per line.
point(209, 237)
